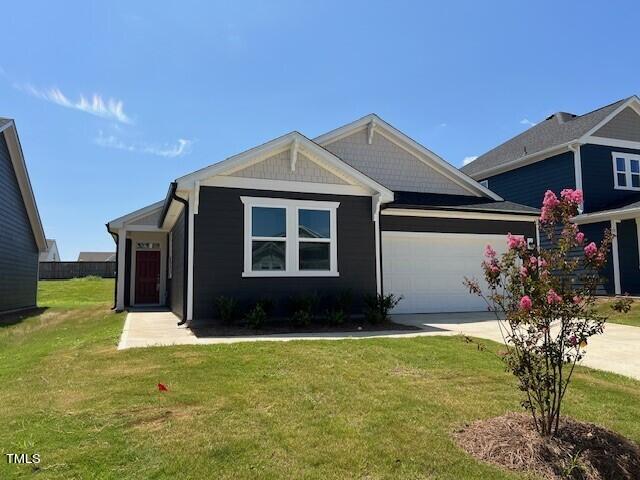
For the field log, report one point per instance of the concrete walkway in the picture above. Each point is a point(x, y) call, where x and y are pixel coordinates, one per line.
point(618, 350)
point(154, 329)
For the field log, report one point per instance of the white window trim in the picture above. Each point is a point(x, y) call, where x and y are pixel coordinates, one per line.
point(627, 171)
point(292, 239)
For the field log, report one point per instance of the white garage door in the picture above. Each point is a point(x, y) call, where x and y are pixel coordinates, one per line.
point(428, 269)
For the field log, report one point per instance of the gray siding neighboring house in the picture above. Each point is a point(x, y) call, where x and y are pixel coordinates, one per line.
point(296, 216)
point(599, 153)
point(51, 254)
point(21, 235)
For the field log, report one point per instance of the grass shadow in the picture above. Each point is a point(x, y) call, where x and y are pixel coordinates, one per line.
point(14, 318)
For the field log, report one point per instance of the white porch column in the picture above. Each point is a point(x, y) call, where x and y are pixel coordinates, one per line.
point(190, 247)
point(122, 246)
point(616, 258)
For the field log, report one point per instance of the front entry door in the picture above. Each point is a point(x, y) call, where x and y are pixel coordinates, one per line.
point(147, 277)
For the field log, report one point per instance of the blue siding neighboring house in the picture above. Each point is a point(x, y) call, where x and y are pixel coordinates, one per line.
point(597, 152)
point(21, 235)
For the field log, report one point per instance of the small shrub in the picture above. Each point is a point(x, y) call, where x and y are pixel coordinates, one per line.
point(227, 308)
point(622, 305)
point(335, 316)
point(378, 306)
point(339, 311)
point(267, 305)
point(302, 308)
point(256, 317)
point(344, 302)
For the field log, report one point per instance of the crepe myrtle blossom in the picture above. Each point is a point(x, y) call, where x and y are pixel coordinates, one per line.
point(574, 196)
point(577, 299)
point(580, 238)
point(591, 250)
point(515, 242)
point(553, 297)
point(489, 252)
point(526, 303)
point(524, 273)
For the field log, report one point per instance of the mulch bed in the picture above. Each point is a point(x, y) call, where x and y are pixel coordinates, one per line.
point(580, 451)
point(282, 327)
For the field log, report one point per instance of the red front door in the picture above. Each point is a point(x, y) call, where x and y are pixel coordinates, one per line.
point(147, 277)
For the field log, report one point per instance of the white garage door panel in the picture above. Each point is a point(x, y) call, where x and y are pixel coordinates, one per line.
point(428, 269)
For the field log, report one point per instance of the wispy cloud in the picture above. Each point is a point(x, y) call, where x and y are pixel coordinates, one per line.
point(526, 121)
point(468, 160)
point(177, 149)
point(110, 108)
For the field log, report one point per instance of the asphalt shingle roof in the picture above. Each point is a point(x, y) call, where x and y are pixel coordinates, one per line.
point(436, 201)
point(556, 130)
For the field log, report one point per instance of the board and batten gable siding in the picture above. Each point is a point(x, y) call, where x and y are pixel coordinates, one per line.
point(527, 185)
point(402, 223)
point(219, 253)
point(18, 248)
point(597, 178)
point(392, 166)
point(176, 282)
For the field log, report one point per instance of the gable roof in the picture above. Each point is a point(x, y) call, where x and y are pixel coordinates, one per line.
point(136, 214)
point(8, 128)
point(557, 131)
point(429, 158)
point(261, 152)
point(97, 257)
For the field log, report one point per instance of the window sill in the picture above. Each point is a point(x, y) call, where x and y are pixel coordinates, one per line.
point(272, 274)
point(631, 189)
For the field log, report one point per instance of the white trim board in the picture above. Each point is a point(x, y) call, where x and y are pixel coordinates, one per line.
point(24, 183)
point(135, 215)
point(374, 123)
point(619, 214)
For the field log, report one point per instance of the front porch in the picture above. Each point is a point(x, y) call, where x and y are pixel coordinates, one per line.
point(143, 259)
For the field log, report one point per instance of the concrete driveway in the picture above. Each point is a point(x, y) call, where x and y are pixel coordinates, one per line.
point(617, 350)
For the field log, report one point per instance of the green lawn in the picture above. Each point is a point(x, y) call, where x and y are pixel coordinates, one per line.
point(381, 408)
point(632, 318)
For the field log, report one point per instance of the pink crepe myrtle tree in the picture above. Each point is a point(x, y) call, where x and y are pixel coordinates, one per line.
point(544, 299)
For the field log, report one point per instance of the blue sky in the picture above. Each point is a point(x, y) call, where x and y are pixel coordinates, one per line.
point(113, 100)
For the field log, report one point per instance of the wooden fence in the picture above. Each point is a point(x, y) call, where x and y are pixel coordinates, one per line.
point(62, 270)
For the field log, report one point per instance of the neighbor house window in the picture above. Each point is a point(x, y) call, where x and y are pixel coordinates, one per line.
point(626, 171)
point(289, 237)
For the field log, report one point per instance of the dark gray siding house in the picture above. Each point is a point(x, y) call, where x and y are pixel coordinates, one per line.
point(362, 208)
point(597, 152)
point(21, 235)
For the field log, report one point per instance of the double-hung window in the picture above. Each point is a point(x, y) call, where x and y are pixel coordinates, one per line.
point(284, 237)
point(626, 171)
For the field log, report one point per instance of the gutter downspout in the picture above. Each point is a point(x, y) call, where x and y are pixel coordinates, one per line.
point(115, 285)
point(185, 292)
